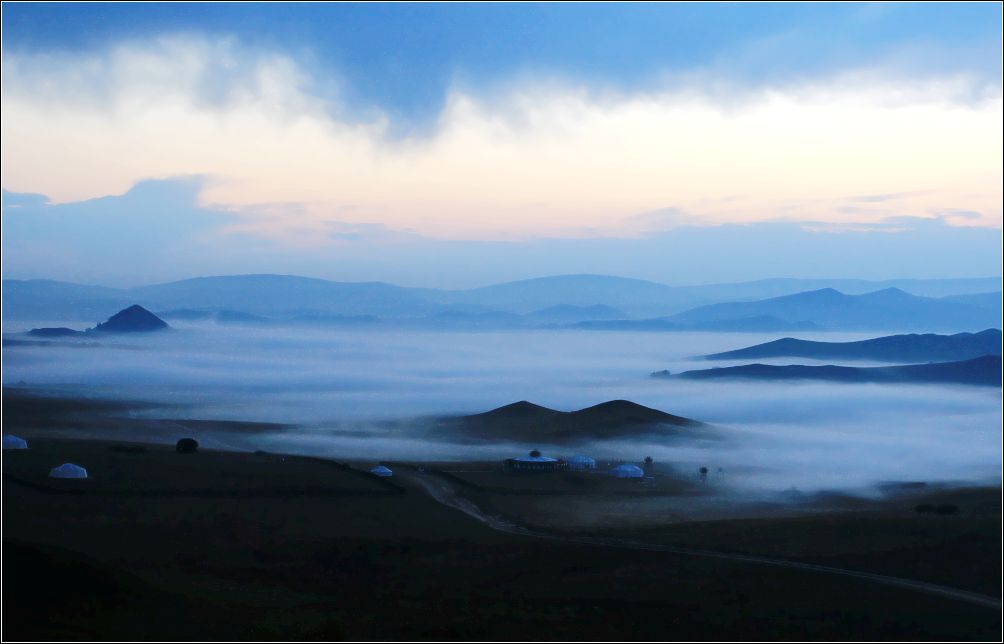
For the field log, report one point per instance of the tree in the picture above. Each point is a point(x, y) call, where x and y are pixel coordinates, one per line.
point(704, 473)
point(535, 453)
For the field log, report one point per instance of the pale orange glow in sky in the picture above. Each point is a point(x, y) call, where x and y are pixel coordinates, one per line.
point(540, 161)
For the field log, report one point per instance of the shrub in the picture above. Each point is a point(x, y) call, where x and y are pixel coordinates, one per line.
point(187, 446)
point(946, 508)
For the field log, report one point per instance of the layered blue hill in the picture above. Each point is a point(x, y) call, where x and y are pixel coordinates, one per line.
point(888, 309)
point(985, 370)
point(894, 348)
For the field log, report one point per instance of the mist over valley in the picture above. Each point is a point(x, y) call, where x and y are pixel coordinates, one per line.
point(376, 393)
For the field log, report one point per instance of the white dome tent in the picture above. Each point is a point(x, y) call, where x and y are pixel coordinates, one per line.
point(580, 462)
point(627, 471)
point(68, 471)
point(14, 442)
point(381, 470)
point(534, 462)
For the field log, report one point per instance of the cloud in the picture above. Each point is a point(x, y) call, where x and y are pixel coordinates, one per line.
point(153, 225)
point(339, 384)
point(157, 231)
point(888, 197)
point(531, 160)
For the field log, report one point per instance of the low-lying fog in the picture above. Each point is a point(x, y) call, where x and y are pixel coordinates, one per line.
point(339, 385)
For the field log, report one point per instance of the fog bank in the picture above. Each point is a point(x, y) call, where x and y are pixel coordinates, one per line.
point(361, 394)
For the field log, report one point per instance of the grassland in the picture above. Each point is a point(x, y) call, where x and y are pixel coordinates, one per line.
point(224, 545)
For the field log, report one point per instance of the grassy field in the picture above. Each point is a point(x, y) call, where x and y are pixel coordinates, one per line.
point(230, 546)
point(240, 545)
point(884, 535)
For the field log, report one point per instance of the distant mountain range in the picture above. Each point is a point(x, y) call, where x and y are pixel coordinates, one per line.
point(889, 308)
point(893, 348)
point(985, 370)
point(586, 301)
point(753, 324)
point(525, 421)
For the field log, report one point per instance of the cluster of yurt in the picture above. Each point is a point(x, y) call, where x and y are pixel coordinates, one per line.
point(74, 471)
point(64, 471)
point(537, 462)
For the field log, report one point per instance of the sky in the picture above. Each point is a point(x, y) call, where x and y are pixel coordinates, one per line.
point(458, 145)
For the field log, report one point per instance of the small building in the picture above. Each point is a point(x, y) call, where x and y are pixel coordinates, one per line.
point(381, 470)
point(580, 462)
point(14, 442)
point(534, 462)
point(627, 471)
point(68, 471)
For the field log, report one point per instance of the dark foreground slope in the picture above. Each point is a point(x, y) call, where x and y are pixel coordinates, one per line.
point(525, 421)
point(893, 348)
point(351, 563)
point(985, 370)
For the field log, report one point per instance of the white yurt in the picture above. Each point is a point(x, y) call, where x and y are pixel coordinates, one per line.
point(381, 470)
point(14, 442)
point(534, 462)
point(627, 471)
point(68, 471)
point(581, 462)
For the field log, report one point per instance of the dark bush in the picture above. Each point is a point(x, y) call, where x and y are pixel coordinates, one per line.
point(924, 507)
point(187, 446)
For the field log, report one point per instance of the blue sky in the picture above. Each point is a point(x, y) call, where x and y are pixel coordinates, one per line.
point(433, 144)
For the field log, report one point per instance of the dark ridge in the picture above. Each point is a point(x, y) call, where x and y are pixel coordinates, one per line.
point(985, 370)
point(893, 348)
point(627, 413)
point(524, 420)
point(521, 409)
point(54, 332)
point(134, 319)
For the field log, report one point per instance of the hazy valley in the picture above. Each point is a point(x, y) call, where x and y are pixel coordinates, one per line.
point(364, 370)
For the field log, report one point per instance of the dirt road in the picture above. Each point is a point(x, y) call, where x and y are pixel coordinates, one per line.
point(444, 492)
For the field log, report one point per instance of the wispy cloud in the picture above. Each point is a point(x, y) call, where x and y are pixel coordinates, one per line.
point(158, 232)
point(532, 161)
point(889, 196)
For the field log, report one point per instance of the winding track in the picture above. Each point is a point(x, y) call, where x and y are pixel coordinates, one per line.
point(441, 491)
